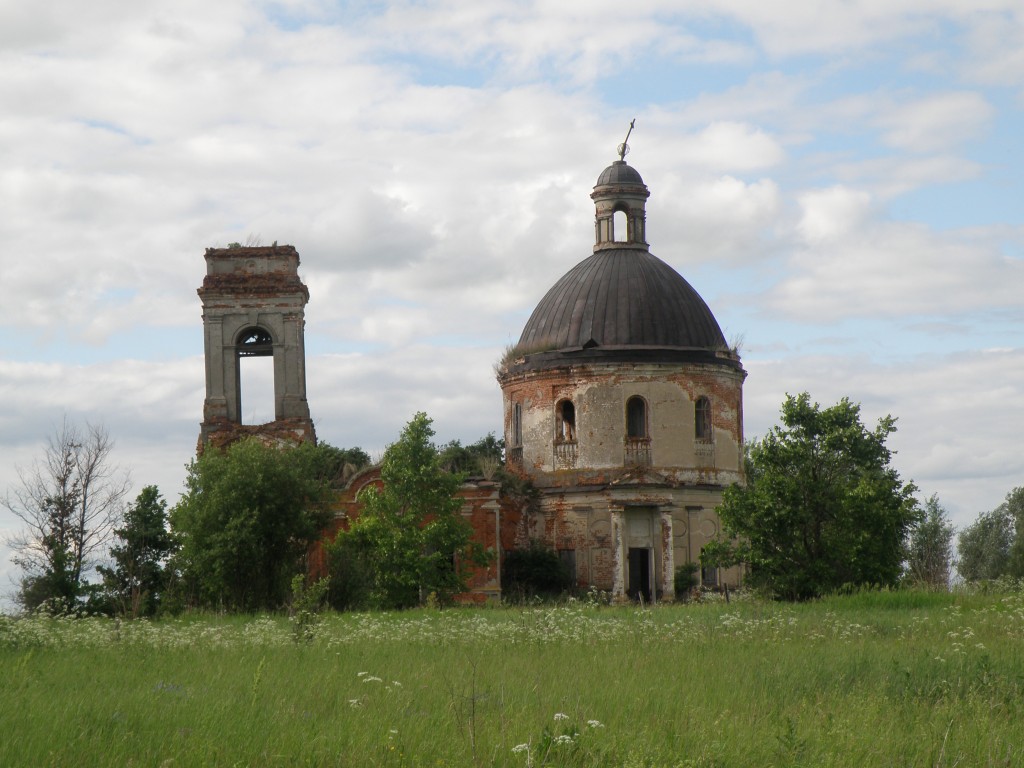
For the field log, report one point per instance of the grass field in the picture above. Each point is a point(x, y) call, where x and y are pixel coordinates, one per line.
point(884, 679)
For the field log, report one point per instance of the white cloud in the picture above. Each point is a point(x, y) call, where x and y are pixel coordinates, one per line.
point(764, 97)
point(835, 27)
point(996, 44)
point(853, 264)
point(579, 41)
point(832, 214)
point(935, 122)
point(732, 147)
point(711, 220)
point(890, 177)
point(794, 28)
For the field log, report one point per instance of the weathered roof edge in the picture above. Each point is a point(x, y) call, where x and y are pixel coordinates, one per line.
point(621, 354)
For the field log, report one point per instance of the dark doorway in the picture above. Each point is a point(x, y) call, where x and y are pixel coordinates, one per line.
point(639, 574)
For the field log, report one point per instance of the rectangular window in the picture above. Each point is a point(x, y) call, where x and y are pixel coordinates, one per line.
point(702, 419)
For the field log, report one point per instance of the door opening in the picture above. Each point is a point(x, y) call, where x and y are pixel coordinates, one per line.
point(639, 587)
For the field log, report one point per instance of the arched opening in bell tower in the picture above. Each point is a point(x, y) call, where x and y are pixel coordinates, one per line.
point(620, 226)
point(254, 360)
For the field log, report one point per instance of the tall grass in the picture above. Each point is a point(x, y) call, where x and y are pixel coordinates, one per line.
point(876, 679)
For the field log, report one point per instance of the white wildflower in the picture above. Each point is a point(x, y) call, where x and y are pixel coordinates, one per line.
point(595, 724)
point(372, 679)
point(519, 748)
point(561, 716)
point(563, 739)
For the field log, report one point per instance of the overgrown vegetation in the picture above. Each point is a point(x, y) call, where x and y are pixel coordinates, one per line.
point(246, 522)
point(930, 547)
point(349, 575)
point(536, 571)
point(480, 459)
point(515, 352)
point(68, 503)
point(909, 678)
point(135, 581)
point(305, 610)
point(993, 546)
point(685, 579)
point(822, 509)
point(409, 542)
point(335, 466)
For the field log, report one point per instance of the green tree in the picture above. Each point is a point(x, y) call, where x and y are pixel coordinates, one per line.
point(68, 503)
point(249, 516)
point(336, 465)
point(350, 574)
point(993, 545)
point(57, 584)
point(821, 508)
point(930, 547)
point(136, 581)
point(1015, 506)
point(534, 571)
point(483, 458)
point(410, 536)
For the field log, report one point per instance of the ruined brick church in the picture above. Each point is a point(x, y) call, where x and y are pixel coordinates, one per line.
point(623, 403)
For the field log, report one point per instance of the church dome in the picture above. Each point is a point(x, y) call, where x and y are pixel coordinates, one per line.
point(619, 173)
point(623, 302)
point(622, 297)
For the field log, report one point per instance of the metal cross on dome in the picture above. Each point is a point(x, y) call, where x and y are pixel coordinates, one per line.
point(624, 147)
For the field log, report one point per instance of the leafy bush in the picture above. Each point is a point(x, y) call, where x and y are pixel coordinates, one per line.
point(685, 578)
point(350, 582)
point(534, 572)
point(304, 613)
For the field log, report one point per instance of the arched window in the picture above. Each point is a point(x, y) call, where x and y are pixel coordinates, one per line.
point(702, 420)
point(565, 422)
point(620, 226)
point(255, 342)
point(636, 418)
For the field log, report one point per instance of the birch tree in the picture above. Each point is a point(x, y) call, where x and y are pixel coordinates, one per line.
point(68, 502)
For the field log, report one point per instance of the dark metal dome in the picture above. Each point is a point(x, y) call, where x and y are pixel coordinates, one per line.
point(621, 297)
point(619, 173)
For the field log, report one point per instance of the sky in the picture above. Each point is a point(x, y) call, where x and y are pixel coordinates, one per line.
point(841, 181)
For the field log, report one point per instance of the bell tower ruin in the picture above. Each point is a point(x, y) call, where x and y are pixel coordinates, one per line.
point(253, 306)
